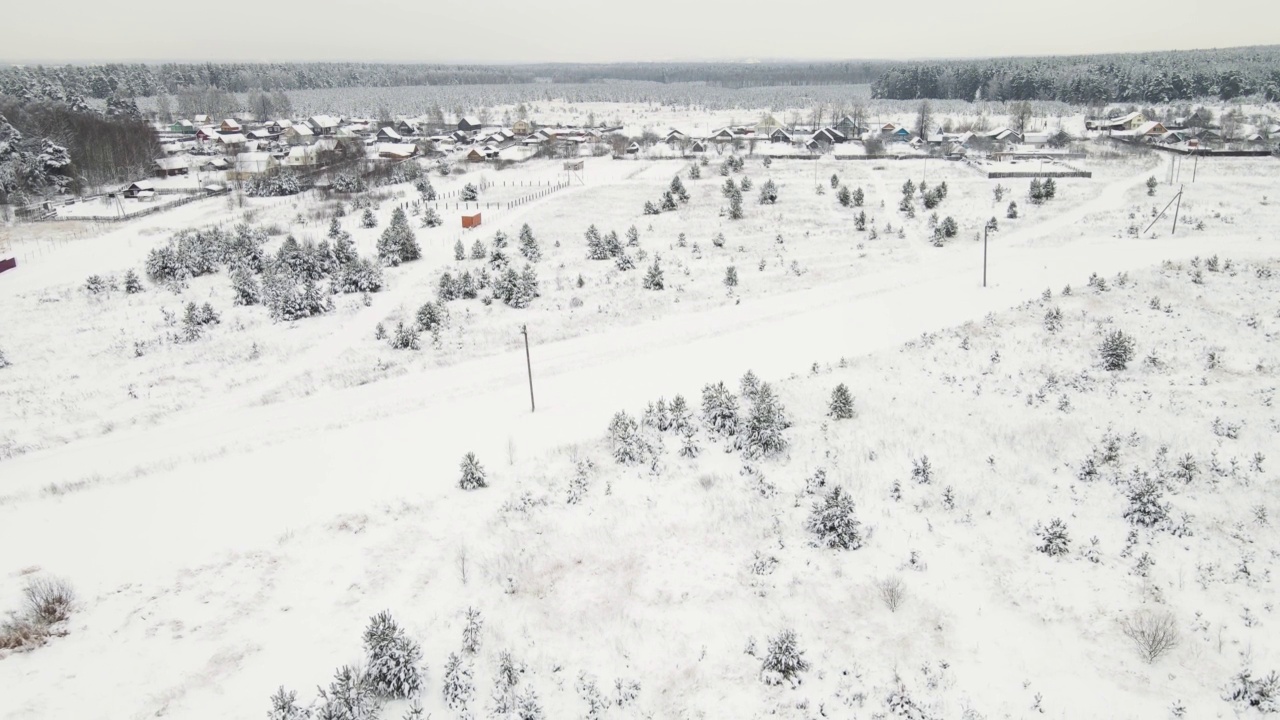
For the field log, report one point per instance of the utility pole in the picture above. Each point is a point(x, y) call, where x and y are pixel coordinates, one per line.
point(1194, 165)
point(524, 330)
point(1176, 208)
point(985, 229)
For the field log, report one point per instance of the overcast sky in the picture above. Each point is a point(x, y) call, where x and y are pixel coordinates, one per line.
point(492, 31)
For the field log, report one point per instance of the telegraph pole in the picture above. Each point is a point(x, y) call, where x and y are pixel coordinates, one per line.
point(524, 330)
point(985, 229)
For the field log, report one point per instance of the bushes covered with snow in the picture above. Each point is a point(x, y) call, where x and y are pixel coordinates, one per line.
point(834, 521)
point(784, 660)
point(473, 475)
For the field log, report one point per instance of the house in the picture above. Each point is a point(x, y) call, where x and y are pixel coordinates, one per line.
point(900, 135)
point(406, 128)
point(830, 136)
point(887, 128)
point(232, 143)
point(780, 136)
point(1037, 139)
point(275, 127)
point(468, 123)
point(388, 135)
point(697, 146)
point(812, 145)
point(476, 155)
point(207, 133)
point(299, 134)
point(849, 128)
point(633, 148)
point(396, 151)
point(767, 125)
point(254, 163)
point(324, 124)
point(1002, 134)
point(300, 155)
point(200, 120)
point(722, 135)
point(262, 134)
point(674, 137)
point(215, 164)
point(1173, 137)
point(171, 166)
point(521, 127)
point(229, 127)
point(139, 189)
point(1150, 129)
point(185, 127)
point(1130, 121)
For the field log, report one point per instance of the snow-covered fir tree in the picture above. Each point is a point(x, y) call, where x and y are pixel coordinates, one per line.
point(478, 251)
point(1146, 507)
point(731, 277)
point(459, 252)
point(841, 406)
point(425, 189)
point(284, 706)
point(653, 278)
point(470, 193)
point(735, 206)
point(678, 189)
point(132, 285)
point(349, 697)
point(471, 631)
point(432, 316)
point(431, 218)
point(245, 287)
point(858, 197)
point(393, 658)
point(473, 476)
point(760, 434)
point(719, 409)
point(398, 243)
point(784, 660)
point(627, 444)
point(1053, 539)
point(529, 245)
point(405, 337)
point(368, 219)
point(458, 687)
point(633, 237)
point(834, 521)
point(668, 202)
point(681, 415)
point(768, 193)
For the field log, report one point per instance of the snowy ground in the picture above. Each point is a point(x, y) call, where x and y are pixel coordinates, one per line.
point(233, 510)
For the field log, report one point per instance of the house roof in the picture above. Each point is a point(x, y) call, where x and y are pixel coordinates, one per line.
point(397, 149)
point(229, 123)
point(218, 162)
point(171, 163)
point(324, 121)
point(141, 185)
point(470, 120)
point(253, 161)
point(1036, 137)
point(231, 139)
point(1147, 128)
point(390, 133)
point(300, 130)
point(261, 134)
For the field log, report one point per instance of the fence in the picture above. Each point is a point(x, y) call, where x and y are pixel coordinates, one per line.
point(140, 213)
point(1045, 174)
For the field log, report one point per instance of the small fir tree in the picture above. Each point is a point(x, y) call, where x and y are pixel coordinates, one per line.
point(719, 409)
point(478, 251)
point(470, 193)
point(1116, 351)
point(473, 475)
point(768, 193)
point(834, 521)
point(1054, 541)
point(841, 406)
point(784, 660)
point(458, 686)
point(132, 285)
point(731, 277)
point(459, 251)
point(653, 279)
point(1012, 212)
point(368, 219)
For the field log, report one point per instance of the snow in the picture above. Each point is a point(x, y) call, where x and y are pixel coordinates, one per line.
point(233, 511)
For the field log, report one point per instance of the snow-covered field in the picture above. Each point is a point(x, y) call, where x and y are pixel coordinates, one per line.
point(233, 510)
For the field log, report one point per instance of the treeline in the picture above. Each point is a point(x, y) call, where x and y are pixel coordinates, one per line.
point(66, 83)
point(1092, 79)
point(67, 149)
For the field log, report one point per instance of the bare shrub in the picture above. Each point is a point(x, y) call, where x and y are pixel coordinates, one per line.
point(22, 633)
point(892, 592)
point(48, 600)
point(1154, 634)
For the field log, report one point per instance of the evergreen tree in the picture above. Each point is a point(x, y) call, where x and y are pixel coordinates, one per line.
point(729, 189)
point(633, 237)
point(761, 434)
point(624, 262)
point(398, 243)
point(432, 316)
point(745, 184)
point(405, 338)
point(1145, 506)
point(860, 221)
point(735, 207)
point(425, 189)
point(478, 251)
point(244, 285)
point(132, 285)
point(768, 193)
point(858, 197)
point(668, 202)
point(1012, 213)
point(834, 521)
point(430, 218)
point(653, 279)
point(908, 188)
point(841, 406)
point(650, 208)
point(719, 409)
point(731, 277)
point(1037, 192)
point(1152, 184)
point(459, 252)
point(681, 416)
point(529, 245)
point(471, 631)
point(284, 706)
point(349, 697)
point(835, 181)
point(469, 193)
point(784, 660)
point(596, 249)
point(473, 476)
point(624, 437)
point(1053, 539)
point(393, 658)
point(695, 172)
point(844, 197)
point(500, 240)
point(335, 229)
point(458, 688)
point(1116, 351)
point(1049, 189)
point(677, 189)
point(368, 219)
point(612, 245)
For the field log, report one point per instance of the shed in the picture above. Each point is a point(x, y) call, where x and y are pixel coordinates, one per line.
point(138, 189)
point(171, 166)
point(471, 221)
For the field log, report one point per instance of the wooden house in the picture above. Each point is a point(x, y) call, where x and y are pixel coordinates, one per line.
point(184, 127)
point(232, 143)
point(476, 155)
point(200, 120)
point(722, 135)
point(521, 127)
point(407, 128)
point(468, 123)
point(171, 167)
point(139, 189)
point(388, 135)
point(396, 151)
point(215, 164)
point(229, 127)
point(324, 124)
point(1150, 129)
point(633, 148)
point(849, 128)
point(766, 125)
point(697, 146)
point(830, 136)
point(780, 136)
point(300, 134)
point(1131, 121)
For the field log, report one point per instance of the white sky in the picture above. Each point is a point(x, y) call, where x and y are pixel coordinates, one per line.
point(492, 31)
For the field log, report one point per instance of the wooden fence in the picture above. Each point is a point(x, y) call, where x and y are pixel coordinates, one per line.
point(140, 213)
point(1045, 174)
